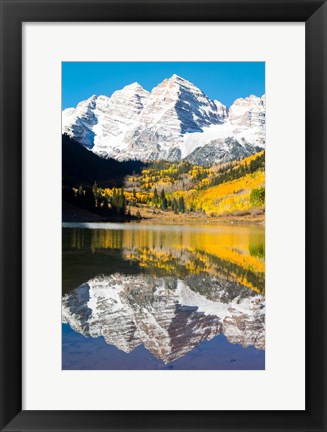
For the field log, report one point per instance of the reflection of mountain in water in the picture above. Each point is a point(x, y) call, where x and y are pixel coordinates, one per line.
point(168, 316)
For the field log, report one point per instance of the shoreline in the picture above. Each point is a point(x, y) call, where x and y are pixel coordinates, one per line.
point(75, 214)
point(237, 220)
point(254, 218)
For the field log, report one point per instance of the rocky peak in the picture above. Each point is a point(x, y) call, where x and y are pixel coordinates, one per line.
point(78, 122)
point(85, 107)
point(247, 116)
point(177, 81)
point(129, 93)
point(175, 120)
point(135, 86)
point(180, 105)
point(249, 111)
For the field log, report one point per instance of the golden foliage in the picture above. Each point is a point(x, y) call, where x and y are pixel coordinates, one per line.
point(229, 197)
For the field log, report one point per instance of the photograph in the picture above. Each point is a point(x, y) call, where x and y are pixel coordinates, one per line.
point(183, 217)
point(163, 215)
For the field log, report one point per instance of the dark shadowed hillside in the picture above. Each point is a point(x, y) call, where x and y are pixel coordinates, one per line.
point(81, 166)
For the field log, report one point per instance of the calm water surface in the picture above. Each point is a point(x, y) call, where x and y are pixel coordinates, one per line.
point(147, 296)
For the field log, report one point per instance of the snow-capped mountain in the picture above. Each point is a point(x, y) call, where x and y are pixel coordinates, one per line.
point(174, 121)
point(164, 314)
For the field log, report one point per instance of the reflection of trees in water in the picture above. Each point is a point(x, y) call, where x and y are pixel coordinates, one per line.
point(184, 262)
point(256, 246)
point(251, 279)
point(233, 253)
point(257, 250)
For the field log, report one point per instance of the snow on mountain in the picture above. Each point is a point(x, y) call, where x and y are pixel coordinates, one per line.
point(163, 314)
point(249, 111)
point(116, 117)
point(78, 122)
point(175, 121)
point(221, 109)
point(178, 106)
point(248, 119)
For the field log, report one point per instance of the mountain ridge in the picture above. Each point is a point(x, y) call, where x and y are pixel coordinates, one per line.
point(175, 121)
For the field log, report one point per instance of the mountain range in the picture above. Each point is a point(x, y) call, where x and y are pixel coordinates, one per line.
point(166, 315)
point(175, 121)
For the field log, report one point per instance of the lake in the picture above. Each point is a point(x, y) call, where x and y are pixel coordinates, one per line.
point(161, 296)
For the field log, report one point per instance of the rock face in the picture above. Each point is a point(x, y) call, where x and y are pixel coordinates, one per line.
point(249, 113)
point(164, 314)
point(79, 122)
point(176, 107)
point(172, 122)
point(222, 150)
point(117, 116)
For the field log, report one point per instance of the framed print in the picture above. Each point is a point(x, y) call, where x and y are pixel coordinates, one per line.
point(166, 213)
point(163, 268)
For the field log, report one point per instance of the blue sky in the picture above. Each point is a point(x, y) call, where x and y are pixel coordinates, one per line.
point(225, 81)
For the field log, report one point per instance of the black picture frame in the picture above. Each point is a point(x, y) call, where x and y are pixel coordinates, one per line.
point(16, 12)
